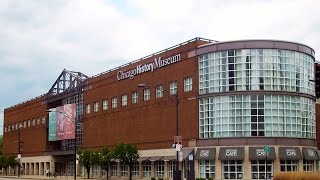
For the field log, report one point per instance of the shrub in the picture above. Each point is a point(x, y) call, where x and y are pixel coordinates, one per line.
point(160, 178)
point(296, 176)
point(153, 178)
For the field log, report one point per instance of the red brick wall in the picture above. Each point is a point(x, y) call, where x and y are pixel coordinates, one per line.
point(33, 137)
point(150, 124)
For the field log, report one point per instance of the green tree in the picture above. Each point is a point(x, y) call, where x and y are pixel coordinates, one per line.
point(3, 163)
point(88, 158)
point(106, 156)
point(12, 162)
point(127, 154)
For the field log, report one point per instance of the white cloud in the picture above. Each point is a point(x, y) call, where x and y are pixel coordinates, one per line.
point(41, 38)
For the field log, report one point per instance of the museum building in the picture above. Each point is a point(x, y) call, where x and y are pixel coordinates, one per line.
point(243, 109)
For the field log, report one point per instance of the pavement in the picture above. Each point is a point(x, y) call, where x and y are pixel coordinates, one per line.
point(28, 177)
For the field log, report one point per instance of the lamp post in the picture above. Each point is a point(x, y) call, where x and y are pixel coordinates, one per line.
point(177, 174)
point(74, 121)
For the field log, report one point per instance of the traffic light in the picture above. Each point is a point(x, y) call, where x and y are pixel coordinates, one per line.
point(317, 79)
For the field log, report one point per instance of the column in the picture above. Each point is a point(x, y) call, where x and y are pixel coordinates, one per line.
point(152, 169)
point(166, 170)
point(52, 167)
point(41, 169)
point(196, 169)
point(246, 164)
point(99, 171)
point(118, 170)
point(140, 170)
point(300, 165)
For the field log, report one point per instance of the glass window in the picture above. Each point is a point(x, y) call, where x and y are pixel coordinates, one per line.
point(124, 100)
point(171, 168)
point(88, 108)
point(288, 165)
point(188, 84)
point(232, 169)
point(135, 169)
point(173, 87)
point(105, 104)
point(96, 106)
point(124, 170)
point(146, 168)
point(33, 122)
point(146, 94)
point(159, 169)
point(114, 102)
point(114, 168)
point(308, 165)
point(258, 170)
point(134, 97)
point(206, 169)
point(159, 91)
point(43, 121)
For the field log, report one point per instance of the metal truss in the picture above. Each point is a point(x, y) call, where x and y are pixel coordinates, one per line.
point(68, 83)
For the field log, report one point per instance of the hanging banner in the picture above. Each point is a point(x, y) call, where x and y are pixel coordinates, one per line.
point(62, 122)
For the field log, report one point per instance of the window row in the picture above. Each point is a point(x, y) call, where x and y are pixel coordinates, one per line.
point(25, 124)
point(262, 69)
point(159, 93)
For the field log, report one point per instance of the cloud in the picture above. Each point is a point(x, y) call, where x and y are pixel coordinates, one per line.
point(41, 38)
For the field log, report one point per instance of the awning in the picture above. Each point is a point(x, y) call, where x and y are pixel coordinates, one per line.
point(140, 159)
point(186, 153)
point(289, 153)
point(231, 153)
point(205, 154)
point(257, 153)
point(169, 158)
point(309, 153)
point(155, 158)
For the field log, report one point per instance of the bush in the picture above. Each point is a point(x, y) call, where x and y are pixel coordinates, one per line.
point(160, 178)
point(200, 178)
point(153, 178)
point(296, 176)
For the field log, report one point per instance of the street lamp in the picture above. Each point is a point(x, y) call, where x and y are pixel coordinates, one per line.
point(175, 100)
point(74, 121)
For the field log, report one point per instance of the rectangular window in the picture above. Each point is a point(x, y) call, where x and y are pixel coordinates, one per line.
point(232, 169)
point(29, 123)
point(308, 165)
point(95, 170)
point(114, 168)
point(96, 106)
point(146, 169)
point(124, 170)
point(134, 97)
point(258, 169)
point(43, 121)
point(146, 94)
point(206, 169)
point(159, 168)
point(124, 100)
point(171, 168)
point(288, 165)
point(33, 122)
point(105, 104)
point(88, 108)
point(114, 102)
point(173, 87)
point(188, 84)
point(135, 169)
point(38, 121)
point(159, 91)
point(25, 123)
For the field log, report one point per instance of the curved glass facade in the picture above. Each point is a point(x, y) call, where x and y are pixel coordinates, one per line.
point(250, 115)
point(256, 69)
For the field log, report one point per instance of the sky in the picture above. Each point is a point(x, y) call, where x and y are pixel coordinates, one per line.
point(38, 39)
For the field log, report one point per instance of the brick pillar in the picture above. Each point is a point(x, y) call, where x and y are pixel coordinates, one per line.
point(152, 169)
point(246, 164)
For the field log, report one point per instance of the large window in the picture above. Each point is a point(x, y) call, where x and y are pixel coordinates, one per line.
point(114, 168)
point(124, 170)
point(256, 69)
point(258, 170)
point(256, 115)
point(173, 87)
point(124, 99)
point(105, 104)
point(159, 91)
point(288, 165)
point(135, 169)
point(206, 169)
point(134, 97)
point(146, 169)
point(146, 94)
point(114, 101)
point(159, 169)
point(308, 165)
point(171, 168)
point(232, 169)
point(187, 84)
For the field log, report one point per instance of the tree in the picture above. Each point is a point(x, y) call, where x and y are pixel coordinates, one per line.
point(106, 156)
point(127, 154)
point(88, 159)
point(3, 163)
point(12, 162)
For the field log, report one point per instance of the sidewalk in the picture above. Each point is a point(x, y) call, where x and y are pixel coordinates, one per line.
point(25, 177)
